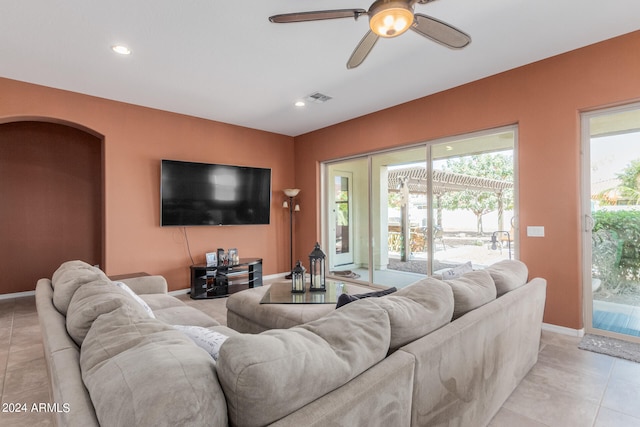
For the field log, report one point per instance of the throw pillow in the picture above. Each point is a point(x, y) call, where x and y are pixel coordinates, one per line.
point(508, 275)
point(135, 296)
point(471, 291)
point(209, 340)
point(142, 372)
point(416, 310)
point(457, 271)
point(93, 300)
point(345, 299)
point(269, 375)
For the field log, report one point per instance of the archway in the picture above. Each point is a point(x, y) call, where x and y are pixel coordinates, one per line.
point(51, 200)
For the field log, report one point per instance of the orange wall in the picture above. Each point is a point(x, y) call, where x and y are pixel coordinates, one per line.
point(135, 140)
point(545, 99)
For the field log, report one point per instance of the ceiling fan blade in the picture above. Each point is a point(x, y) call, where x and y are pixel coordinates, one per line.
point(317, 15)
point(440, 32)
point(362, 50)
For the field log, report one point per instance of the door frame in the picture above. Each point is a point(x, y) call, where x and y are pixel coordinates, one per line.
point(587, 222)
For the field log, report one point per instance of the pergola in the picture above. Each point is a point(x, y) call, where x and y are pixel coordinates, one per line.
point(413, 180)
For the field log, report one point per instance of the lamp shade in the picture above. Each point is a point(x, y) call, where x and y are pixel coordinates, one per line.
point(390, 18)
point(291, 192)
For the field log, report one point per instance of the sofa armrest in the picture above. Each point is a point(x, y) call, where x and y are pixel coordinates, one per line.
point(147, 284)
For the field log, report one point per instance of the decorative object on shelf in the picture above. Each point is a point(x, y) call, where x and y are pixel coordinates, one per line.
point(233, 256)
point(291, 193)
point(212, 259)
point(297, 279)
point(222, 257)
point(494, 241)
point(316, 269)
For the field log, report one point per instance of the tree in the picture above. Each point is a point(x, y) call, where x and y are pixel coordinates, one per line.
point(628, 191)
point(493, 166)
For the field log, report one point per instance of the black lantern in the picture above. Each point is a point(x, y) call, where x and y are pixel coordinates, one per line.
point(317, 272)
point(297, 279)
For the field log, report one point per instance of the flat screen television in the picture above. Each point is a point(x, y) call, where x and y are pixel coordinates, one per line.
point(211, 194)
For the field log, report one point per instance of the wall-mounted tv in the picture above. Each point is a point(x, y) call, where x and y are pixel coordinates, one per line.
point(211, 194)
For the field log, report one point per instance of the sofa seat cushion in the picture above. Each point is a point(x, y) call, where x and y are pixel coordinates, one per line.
point(94, 299)
point(142, 372)
point(416, 310)
point(70, 276)
point(508, 274)
point(172, 311)
point(269, 375)
point(471, 291)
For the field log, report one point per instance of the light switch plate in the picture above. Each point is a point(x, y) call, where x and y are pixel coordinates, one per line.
point(535, 231)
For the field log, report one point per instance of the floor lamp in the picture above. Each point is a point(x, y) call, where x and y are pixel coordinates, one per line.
point(291, 193)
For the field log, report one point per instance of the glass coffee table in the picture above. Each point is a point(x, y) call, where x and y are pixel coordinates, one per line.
point(280, 293)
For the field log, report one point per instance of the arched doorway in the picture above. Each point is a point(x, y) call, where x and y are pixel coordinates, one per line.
point(51, 200)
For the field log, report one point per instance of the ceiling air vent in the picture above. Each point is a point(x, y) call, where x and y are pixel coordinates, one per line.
point(318, 98)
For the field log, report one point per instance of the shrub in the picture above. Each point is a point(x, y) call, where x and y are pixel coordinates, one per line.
point(616, 249)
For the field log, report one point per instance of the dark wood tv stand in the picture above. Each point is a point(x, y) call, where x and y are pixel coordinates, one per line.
point(220, 281)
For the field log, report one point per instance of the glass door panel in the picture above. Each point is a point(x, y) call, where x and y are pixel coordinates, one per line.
point(342, 209)
point(612, 226)
point(399, 216)
point(347, 219)
point(473, 194)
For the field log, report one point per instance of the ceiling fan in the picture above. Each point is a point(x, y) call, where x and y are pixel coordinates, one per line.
point(387, 18)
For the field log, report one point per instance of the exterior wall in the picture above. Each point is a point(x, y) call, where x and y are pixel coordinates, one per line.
point(135, 140)
point(545, 100)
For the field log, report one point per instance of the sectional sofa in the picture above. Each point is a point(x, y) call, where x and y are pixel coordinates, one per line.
point(434, 353)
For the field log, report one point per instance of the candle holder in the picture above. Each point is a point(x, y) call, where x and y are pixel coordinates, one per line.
point(297, 279)
point(317, 269)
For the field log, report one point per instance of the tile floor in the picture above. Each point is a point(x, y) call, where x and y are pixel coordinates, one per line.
point(567, 388)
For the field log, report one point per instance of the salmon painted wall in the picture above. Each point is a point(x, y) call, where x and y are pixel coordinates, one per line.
point(545, 99)
point(135, 140)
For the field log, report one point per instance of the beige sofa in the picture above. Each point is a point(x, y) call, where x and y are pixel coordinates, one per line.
point(397, 360)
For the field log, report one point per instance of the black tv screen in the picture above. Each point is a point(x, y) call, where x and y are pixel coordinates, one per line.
point(210, 194)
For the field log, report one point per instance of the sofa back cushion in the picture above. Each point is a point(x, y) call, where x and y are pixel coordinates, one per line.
point(70, 276)
point(508, 274)
point(416, 310)
point(94, 299)
point(471, 290)
point(272, 374)
point(140, 371)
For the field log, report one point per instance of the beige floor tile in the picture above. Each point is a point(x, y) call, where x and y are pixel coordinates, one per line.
point(609, 418)
point(584, 385)
point(28, 419)
point(7, 305)
point(623, 396)
point(571, 358)
point(507, 418)
point(25, 320)
point(626, 370)
point(544, 403)
point(25, 372)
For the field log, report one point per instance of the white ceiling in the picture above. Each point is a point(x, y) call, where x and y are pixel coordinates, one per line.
point(224, 61)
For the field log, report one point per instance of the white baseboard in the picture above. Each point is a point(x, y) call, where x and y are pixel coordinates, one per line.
point(179, 292)
point(563, 330)
point(17, 295)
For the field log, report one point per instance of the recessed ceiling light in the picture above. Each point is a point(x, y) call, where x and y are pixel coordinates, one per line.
point(299, 104)
point(121, 49)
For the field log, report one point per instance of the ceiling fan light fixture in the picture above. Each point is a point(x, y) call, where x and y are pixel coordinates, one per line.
point(390, 18)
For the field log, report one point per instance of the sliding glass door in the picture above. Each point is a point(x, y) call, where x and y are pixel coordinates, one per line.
point(394, 217)
point(611, 195)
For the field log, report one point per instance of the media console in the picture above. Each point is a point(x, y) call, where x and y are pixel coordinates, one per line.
point(220, 281)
